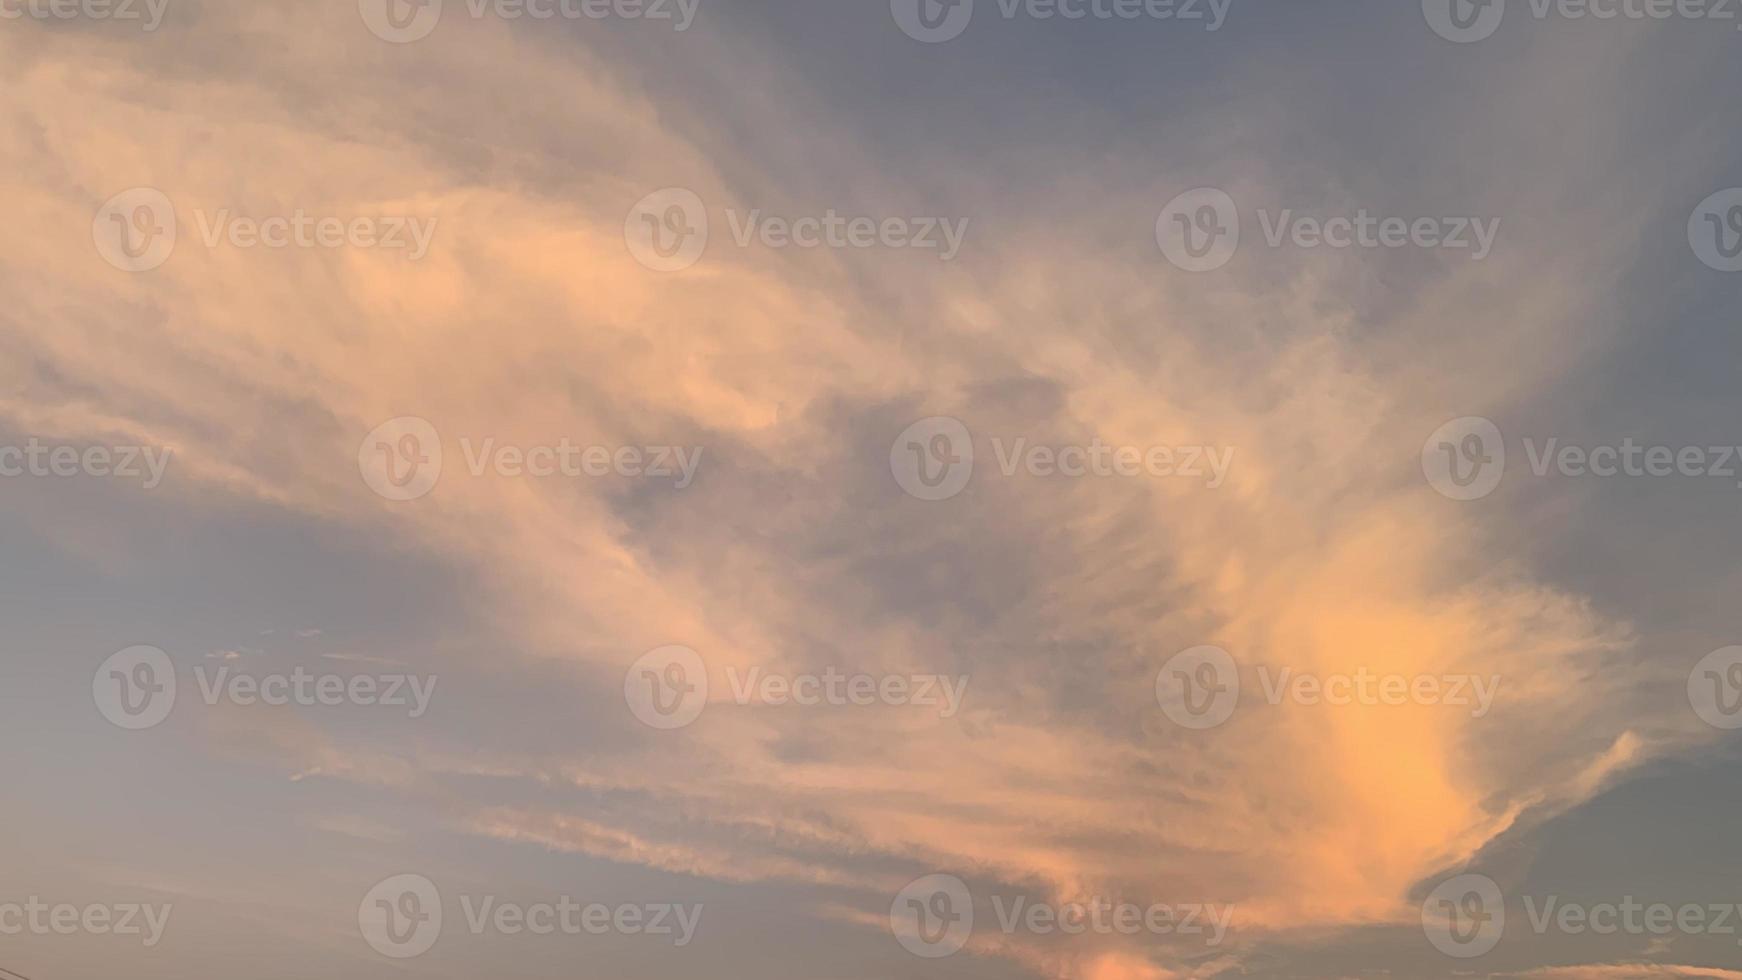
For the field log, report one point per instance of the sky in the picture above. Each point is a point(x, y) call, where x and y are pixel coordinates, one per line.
point(1054, 489)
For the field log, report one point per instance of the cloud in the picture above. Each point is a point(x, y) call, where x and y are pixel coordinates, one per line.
point(530, 322)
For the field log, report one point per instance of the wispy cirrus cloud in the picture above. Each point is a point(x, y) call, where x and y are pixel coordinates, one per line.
point(529, 321)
